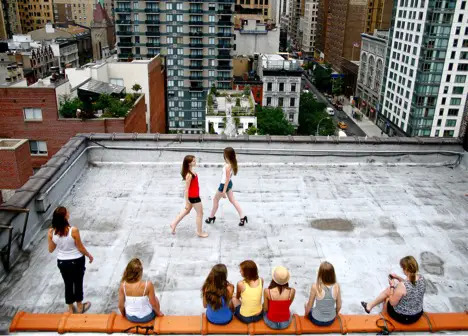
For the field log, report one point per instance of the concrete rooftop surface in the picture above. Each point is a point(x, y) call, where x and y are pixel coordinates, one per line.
point(361, 204)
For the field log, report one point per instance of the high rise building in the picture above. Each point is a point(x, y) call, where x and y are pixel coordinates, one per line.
point(79, 12)
point(309, 25)
point(10, 23)
point(35, 14)
point(262, 7)
point(196, 38)
point(296, 10)
point(379, 15)
point(425, 92)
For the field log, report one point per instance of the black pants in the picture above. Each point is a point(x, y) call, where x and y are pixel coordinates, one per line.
point(403, 319)
point(72, 273)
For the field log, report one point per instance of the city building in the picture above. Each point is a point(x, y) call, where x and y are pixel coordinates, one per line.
point(296, 10)
point(281, 84)
point(35, 15)
point(149, 74)
point(371, 71)
point(245, 70)
point(10, 72)
point(195, 37)
point(68, 34)
point(230, 112)
point(425, 91)
point(102, 33)
point(35, 58)
point(252, 37)
point(379, 15)
point(79, 12)
point(309, 26)
point(35, 114)
point(258, 7)
point(66, 52)
point(10, 22)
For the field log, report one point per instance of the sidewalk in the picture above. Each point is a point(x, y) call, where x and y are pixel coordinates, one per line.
point(366, 125)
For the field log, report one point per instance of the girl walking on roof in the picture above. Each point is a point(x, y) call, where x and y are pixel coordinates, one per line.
point(191, 195)
point(225, 187)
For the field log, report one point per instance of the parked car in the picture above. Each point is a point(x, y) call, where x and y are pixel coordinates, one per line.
point(330, 111)
point(342, 125)
point(305, 91)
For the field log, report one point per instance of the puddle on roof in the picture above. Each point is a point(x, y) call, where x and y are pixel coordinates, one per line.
point(432, 263)
point(332, 224)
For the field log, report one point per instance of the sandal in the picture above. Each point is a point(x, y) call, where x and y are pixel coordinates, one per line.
point(86, 307)
point(364, 305)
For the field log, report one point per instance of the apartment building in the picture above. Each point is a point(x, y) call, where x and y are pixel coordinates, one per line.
point(253, 37)
point(79, 12)
point(309, 25)
point(10, 22)
point(195, 36)
point(281, 84)
point(296, 10)
point(257, 7)
point(35, 14)
point(426, 78)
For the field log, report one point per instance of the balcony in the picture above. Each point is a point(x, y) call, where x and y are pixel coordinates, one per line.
point(196, 10)
point(152, 10)
point(222, 78)
point(124, 33)
point(126, 55)
point(153, 44)
point(123, 9)
point(224, 67)
point(154, 22)
point(153, 33)
point(224, 23)
point(196, 45)
point(196, 78)
point(196, 66)
point(225, 11)
point(125, 44)
point(199, 1)
point(196, 86)
point(123, 21)
point(200, 56)
point(224, 56)
point(225, 34)
point(197, 33)
point(195, 23)
point(225, 46)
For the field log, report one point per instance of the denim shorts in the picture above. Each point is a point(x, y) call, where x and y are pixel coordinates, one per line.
point(319, 323)
point(221, 187)
point(143, 319)
point(248, 319)
point(276, 325)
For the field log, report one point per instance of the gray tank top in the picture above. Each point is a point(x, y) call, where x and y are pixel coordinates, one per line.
point(324, 309)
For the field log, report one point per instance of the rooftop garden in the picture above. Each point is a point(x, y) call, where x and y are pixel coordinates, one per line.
point(233, 101)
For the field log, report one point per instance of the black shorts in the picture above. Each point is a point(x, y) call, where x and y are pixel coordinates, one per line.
point(403, 319)
point(194, 200)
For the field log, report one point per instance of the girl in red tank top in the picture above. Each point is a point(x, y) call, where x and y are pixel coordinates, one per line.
point(191, 195)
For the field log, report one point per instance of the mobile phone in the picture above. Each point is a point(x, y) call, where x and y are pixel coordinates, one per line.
point(390, 276)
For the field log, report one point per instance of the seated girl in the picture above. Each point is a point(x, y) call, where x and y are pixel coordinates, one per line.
point(248, 300)
point(217, 293)
point(277, 300)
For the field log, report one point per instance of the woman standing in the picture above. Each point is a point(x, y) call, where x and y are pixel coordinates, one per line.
point(277, 300)
point(192, 195)
point(248, 301)
point(137, 298)
point(217, 293)
point(326, 294)
point(404, 297)
point(225, 187)
point(70, 258)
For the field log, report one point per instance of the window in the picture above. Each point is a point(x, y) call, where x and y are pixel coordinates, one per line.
point(268, 100)
point(38, 147)
point(117, 81)
point(269, 86)
point(292, 102)
point(280, 101)
point(168, 5)
point(180, 94)
point(453, 112)
point(455, 101)
point(281, 87)
point(450, 123)
point(293, 87)
point(457, 90)
point(31, 113)
point(179, 6)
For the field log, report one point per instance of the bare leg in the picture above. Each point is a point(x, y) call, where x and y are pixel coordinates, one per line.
point(179, 217)
point(234, 202)
point(216, 199)
point(71, 308)
point(199, 209)
point(235, 301)
point(379, 299)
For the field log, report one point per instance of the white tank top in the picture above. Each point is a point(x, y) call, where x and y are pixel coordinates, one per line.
point(137, 306)
point(223, 177)
point(66, 248)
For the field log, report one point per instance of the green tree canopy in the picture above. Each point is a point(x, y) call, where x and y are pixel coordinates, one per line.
point(271, 120)
point(310, 114)
point(322, 77)
point(337, 86)
point(69, 107)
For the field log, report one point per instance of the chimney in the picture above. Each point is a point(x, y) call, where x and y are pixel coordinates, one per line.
point(49, 28)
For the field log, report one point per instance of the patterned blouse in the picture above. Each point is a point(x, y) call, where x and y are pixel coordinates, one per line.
point(412, 302)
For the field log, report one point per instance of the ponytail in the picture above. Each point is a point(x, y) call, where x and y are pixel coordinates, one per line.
point(410, 265)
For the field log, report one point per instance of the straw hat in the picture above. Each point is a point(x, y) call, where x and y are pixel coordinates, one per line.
point(280, 275)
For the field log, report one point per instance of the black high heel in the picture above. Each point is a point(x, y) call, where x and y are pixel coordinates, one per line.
point(210, 219)
point(243, 221)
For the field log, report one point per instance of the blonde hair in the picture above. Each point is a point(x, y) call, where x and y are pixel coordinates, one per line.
point(133, 272)
point(410, 265)
point(325, 276)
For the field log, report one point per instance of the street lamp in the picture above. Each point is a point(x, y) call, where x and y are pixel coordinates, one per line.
point(318, 125)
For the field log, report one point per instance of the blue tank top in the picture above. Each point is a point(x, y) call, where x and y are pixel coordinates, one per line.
point(221, 316)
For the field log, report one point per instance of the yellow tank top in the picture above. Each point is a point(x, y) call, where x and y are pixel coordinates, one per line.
point(251, 299)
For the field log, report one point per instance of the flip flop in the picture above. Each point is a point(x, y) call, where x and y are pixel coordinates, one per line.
point(86, 307)
point(364, 305)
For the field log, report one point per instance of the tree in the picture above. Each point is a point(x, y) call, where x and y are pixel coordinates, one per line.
point(69, 107)
point(311, 113)
point(252, 130)
point(337, 86)
point(271, 120)
point(136, 87)
point(322, 77)
point(246, 90)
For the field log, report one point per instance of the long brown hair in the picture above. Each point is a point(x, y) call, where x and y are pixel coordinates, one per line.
point(281, 288)
point(410, 265)
point(133, 272)
point(215, 286)
point(230, 156)
point(59, 221)
point(326, 275)
point(249, 270)
point(186, 166)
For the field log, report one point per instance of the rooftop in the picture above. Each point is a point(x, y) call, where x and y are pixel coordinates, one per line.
point(360, 203)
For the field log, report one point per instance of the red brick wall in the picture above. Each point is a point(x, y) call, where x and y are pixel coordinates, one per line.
point(15, 167)
point(56, 132)
point(135, 121)
point(157, 91)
